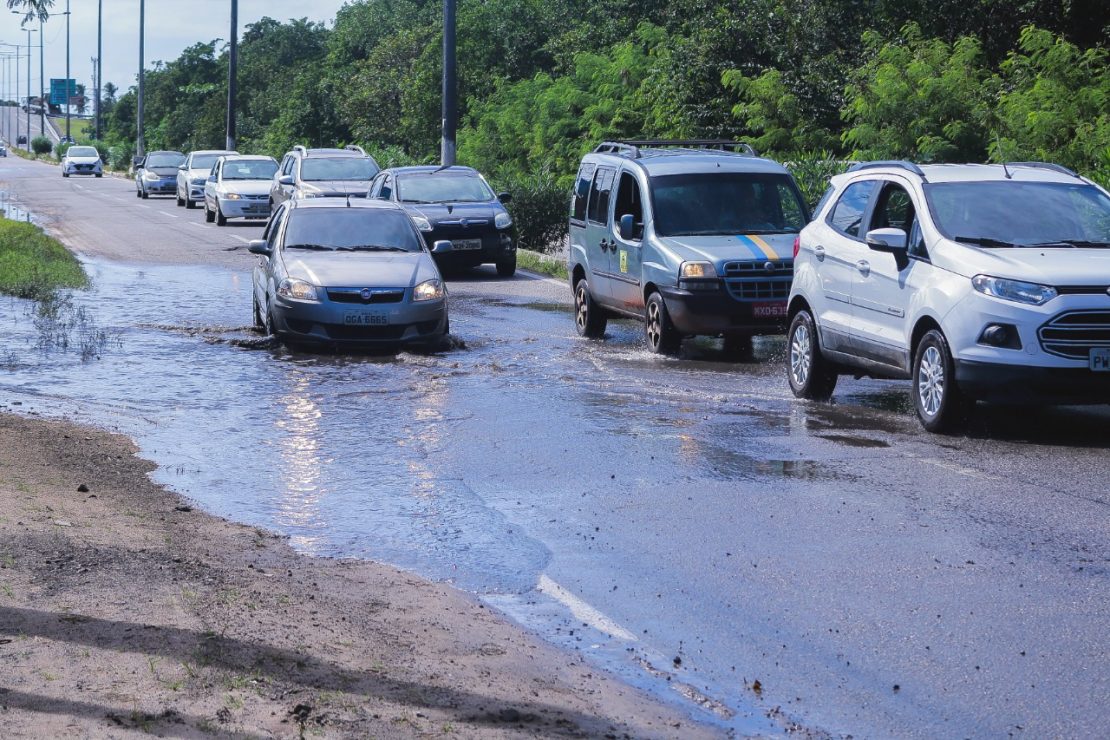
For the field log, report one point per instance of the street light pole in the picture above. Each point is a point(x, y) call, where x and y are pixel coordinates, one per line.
point(450, 85)
point(29, 31)
point(99, 62)
point(232, 75)
point(67, 70)
point(42, 81)
point(140, 144)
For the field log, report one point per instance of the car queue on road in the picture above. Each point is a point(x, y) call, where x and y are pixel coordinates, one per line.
point(974, 282)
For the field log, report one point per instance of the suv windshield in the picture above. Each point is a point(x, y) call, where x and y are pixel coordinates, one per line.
point(442, 188)
point(726, 203)
point(249, 169)
point(1003, 213)
point(341, 228)
point(82, 151)
point(340, 168)
point(164, 160)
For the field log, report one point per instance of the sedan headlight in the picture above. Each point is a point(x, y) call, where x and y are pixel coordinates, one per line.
point(422, 223)
point(233, 196)
point(696, 270)
point(296, 290)
point(429, 290)
point(150, 176)
point(1017, 291)
point(502, 220)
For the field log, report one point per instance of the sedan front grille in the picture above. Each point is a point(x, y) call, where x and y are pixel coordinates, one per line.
point(759, 280)
point(1075, 333)
point(354, 295)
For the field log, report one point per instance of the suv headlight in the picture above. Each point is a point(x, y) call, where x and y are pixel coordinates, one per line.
point(422, 223)
point(1017, 291)
point(696, 270)
point(429, 290)
point(296, 290)
point(502, 220)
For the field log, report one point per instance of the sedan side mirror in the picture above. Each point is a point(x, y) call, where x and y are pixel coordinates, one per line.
point(627, 228)
point(285, 180)
point(137, 162)
point(505, 197)
point(442, 247)
point(182, 167)
point(258, 246)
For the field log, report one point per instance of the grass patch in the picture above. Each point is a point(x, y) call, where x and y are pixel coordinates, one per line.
point(34, 265)
point(541, 263)
point(79, 128)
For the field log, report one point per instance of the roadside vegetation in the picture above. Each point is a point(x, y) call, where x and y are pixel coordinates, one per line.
point(34, 265)
point(813, 84)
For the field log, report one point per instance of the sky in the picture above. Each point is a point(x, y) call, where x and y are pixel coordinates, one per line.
point(171, 26)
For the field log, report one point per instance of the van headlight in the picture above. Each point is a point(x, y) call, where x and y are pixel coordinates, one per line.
point(429, 290)
point(696, 270)
point(1032, 294)
point(502, 220)
point(297, 290)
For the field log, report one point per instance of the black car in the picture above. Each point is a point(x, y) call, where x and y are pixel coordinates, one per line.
point(455, 204)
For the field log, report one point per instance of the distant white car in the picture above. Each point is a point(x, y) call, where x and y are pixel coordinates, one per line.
point(239, 187)
point(82, 160)
point(192, 175)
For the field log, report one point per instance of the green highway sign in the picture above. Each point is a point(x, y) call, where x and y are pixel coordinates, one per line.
point(59, 94)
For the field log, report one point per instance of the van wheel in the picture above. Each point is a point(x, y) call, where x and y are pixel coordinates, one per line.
point(589, 318)
point(940, 404)
point(662, 337)
point(811, 376)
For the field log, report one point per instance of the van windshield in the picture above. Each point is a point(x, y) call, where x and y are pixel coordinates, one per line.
point(726, 203)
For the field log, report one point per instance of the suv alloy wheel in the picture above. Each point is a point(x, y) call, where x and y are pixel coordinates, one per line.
point(810, 374)
point(940, 404)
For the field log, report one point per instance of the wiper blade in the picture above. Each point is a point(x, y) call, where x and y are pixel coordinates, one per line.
point(318, 247)
point(377, 248)
point(1080, 243)
point(984, 241)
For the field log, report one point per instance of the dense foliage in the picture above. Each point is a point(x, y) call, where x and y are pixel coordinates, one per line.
point(541, 81)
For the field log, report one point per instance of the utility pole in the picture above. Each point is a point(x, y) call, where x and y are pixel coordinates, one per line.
point(28, 89)
point(67, 70)
point(232, 75)
point(17, 96)
point(140, 145)
point(42, 81)
point(99, 58)
point(450, 85)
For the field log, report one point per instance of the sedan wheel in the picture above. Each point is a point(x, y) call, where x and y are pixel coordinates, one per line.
point(940, 405)
point(589, 319)
point(190, 204)
point(662, 337)
point(208, 215)
point(259, 324)
point(811, 376)
point(220, 220)
point(180, 202)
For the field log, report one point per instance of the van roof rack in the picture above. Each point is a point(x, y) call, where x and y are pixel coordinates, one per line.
point(899, 163)
point(632, 148)
point(1046, 166)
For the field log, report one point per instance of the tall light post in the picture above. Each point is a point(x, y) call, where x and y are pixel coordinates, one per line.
point(140, 144)
point(232, 75)
point(29, 31)
point(450, 85)
point(68, 137)
point(42, 81)
point(99, 60)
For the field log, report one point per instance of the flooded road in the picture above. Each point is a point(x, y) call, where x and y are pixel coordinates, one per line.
point(683, 522)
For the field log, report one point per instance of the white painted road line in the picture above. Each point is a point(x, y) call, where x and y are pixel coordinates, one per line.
point(171, 215)
point(583, 611)
point(245, 241)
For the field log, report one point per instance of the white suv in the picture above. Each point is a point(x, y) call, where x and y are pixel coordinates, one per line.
point(978, 282)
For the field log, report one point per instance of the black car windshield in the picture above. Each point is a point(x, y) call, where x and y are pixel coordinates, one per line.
point(204, 161)
point(339, 168)
point(82, 151)
point(720, 203)
point(1004, 213)
point(164, 159)
point(341, 228)
point(443, 188)
point(249, 169)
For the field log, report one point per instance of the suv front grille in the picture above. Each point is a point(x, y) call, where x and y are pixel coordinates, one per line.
point(1075, 334)
point(753, 281)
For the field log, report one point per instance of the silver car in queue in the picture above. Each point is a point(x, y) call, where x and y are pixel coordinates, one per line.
point(341, 271)
point(239, 187)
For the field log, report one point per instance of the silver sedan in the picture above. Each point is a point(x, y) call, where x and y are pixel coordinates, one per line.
point(239, 187)
point(338, 271)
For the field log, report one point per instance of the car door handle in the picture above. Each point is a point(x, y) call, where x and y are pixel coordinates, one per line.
point(864, 267)
point(819, 252)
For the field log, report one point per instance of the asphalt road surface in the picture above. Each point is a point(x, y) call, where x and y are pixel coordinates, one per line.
point(769, 563)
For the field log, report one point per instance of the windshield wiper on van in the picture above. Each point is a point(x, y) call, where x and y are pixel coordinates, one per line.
point(1080, 243)
point(984, 241)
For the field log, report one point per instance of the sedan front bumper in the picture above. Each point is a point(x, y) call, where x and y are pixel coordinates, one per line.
point(244, 208)
point(327, 322)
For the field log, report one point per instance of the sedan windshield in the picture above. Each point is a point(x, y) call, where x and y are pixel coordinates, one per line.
point(164, 160)
point(249, 169)
point(443, 188)
point(340, 168)
point(354, 229)
point(1005, 213)
point(82, 151)
point(204, 161)
point(716, 204)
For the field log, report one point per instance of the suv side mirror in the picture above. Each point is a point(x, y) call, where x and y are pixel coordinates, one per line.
point(505, 197)
point(442, 247)
point(627, 228)
point(891, 241)
point(258, 246)
point(285, 180)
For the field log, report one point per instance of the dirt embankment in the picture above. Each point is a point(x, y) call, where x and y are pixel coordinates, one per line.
point(123, 612)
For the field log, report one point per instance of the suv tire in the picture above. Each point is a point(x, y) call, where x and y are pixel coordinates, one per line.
point(940, 404)
point(589, 318)
point(506, 267)
point(662, 337)
point(811, 376)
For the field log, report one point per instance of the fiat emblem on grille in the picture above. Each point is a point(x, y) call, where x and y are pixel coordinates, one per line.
point(769, 266)
point(366, 293)
point(464, 223)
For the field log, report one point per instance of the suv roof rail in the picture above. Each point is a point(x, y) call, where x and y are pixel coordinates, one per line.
point(300, 148)
point(355, 148)
point(901, 163)
point(631, 148)
point(1046, 166)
